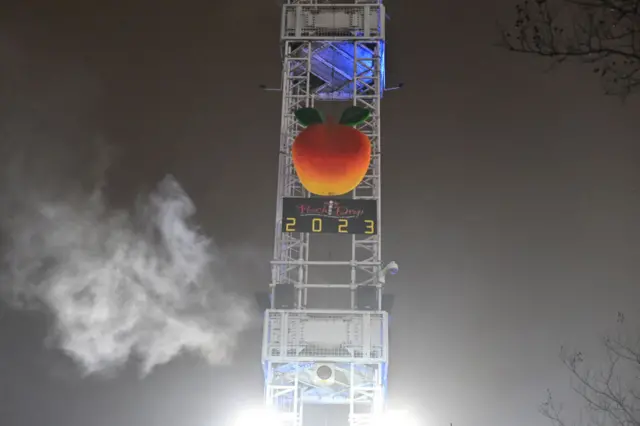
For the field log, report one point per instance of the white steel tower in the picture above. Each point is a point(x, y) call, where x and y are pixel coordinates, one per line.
point(332, 354)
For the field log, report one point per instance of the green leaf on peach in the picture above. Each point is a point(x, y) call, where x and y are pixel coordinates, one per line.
point(309, 116)
point(354, 115)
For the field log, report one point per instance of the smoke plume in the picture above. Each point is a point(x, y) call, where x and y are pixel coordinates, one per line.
point(142, 283)
point(117, 285)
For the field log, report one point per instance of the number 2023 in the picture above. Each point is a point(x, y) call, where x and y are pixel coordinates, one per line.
point(316, 225)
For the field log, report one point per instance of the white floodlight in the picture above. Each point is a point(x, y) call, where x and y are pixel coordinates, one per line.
point(396, 418)
point(257, 416)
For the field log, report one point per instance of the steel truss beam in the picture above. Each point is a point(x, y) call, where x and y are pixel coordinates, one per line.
point(345, 66)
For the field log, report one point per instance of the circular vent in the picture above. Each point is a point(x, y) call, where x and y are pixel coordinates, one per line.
point(324, 372)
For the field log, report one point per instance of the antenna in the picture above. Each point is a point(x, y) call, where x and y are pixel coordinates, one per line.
point(270, 89)
point(397, 87)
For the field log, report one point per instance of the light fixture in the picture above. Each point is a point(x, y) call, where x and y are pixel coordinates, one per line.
point(324, 375)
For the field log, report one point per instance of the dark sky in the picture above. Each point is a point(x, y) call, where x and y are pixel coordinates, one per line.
point(510, 196)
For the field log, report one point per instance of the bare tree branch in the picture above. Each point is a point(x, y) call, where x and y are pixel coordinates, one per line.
point(612, 397)
point(603, 33)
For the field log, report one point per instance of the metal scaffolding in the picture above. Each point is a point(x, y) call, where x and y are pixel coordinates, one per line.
point(332, 52)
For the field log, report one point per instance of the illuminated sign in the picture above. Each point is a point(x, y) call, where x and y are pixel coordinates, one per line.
point(327, 215)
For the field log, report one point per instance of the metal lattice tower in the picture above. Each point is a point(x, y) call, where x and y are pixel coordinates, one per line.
point(331, 52)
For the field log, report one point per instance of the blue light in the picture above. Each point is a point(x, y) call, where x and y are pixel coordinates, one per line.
point(383, 67)
point(335, 63)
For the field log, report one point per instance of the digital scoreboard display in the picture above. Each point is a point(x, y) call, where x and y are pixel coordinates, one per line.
point(330, 216)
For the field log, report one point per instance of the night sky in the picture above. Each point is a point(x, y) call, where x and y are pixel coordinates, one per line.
point(510, 197)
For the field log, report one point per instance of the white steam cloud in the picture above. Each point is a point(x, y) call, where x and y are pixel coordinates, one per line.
point(141, 284)
point(118, 285)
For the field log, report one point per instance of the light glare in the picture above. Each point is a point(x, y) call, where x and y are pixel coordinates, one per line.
point(396, 418)
point(257, 416)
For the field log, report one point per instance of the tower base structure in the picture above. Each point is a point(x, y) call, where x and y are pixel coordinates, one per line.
point(327, 353)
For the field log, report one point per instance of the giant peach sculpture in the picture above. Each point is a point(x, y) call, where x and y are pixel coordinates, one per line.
point(331, 158)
